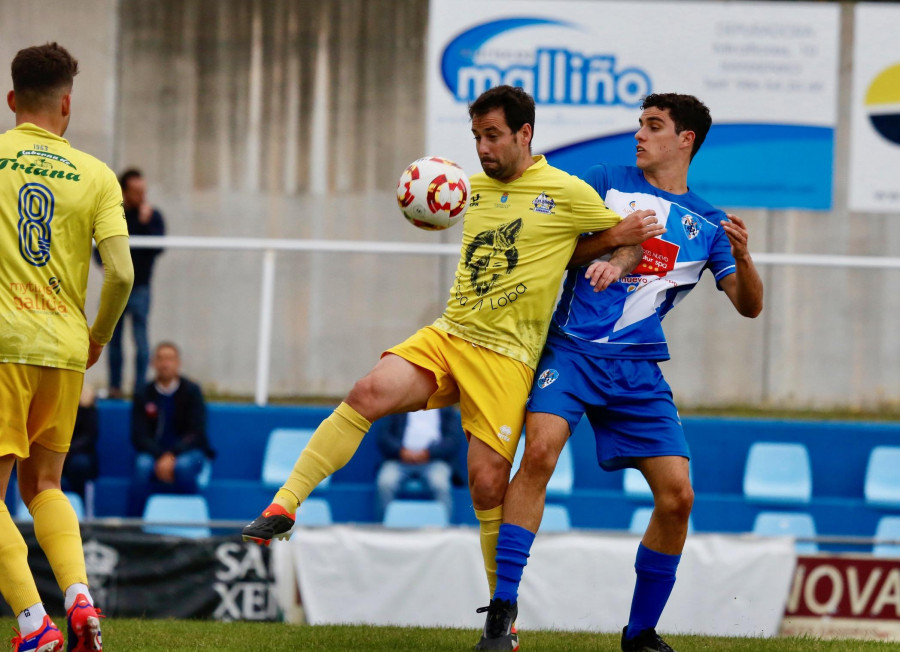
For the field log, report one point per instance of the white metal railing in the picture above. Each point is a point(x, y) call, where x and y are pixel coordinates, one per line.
point(270, 246)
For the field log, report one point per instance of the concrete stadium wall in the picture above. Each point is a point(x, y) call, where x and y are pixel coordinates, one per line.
point(293, 118)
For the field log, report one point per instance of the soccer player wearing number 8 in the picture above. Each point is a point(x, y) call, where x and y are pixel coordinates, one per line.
point(521, 227)
point(54, 200)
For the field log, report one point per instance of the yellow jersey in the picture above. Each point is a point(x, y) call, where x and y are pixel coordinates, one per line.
point(517, 239)
point(53, 200)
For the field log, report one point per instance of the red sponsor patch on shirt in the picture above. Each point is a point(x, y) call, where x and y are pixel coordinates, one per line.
point(659, 257)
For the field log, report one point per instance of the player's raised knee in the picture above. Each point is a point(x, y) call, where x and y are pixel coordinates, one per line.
point(487, 486)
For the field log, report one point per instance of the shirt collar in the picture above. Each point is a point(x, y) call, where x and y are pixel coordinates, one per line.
point(171, 388)
point(31, 128)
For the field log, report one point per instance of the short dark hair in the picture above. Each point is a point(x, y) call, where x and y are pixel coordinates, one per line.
point(128, 175)
point(40, 73)
point(687, 112)
point(166, 345)
point(517, 105)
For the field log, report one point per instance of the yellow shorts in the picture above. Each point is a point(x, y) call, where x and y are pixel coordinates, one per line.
point(37, 405)
point(491, 388)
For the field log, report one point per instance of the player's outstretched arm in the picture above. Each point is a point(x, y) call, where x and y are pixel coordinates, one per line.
point(745, 286)
point(118, 277)
point(632, 230)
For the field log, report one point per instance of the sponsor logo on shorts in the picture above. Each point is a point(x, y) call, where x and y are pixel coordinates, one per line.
point(547, 378)
point(505, 433)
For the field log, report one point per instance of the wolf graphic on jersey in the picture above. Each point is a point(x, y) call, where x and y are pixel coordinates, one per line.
point(484, 253)
point(625, 320)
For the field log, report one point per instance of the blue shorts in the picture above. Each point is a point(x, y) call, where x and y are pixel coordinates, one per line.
point(627, 402)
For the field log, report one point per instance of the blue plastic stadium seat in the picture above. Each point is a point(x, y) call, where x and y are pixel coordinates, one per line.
point(796, 524)
point(415, 514)
point(640, 519)
point(563, 478)
point(167, 508)
point(778, 472)
point(555, 519)
point(282, 450)
point(77, 504)
point(882, 483)
point(888, 529)
point(635, 485)
point(314, 512)
point(23, 514)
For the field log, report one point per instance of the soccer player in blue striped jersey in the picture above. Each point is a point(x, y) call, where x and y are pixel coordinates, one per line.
point(601, 359)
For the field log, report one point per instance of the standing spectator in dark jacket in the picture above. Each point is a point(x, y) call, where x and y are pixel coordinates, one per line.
point(418, 446)
point(81, 462)
point(142, 219)
point(168, 430)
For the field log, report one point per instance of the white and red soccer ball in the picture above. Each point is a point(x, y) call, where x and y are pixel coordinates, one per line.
point(433, 193)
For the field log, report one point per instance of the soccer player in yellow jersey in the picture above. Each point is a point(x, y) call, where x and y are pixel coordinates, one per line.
point(53, 200)
point(521, 227)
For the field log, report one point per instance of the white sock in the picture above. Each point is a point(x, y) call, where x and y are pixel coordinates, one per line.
point(72, 592)
point(31, 619)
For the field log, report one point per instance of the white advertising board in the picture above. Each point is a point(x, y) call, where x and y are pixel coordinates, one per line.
point(766, 70)
point(577, 581)
point(875, 112)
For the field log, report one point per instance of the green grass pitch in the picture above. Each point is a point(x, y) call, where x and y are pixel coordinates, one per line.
point(188, 635)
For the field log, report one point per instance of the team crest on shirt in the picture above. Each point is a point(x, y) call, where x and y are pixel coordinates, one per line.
point(691, 226)
point(548, 377)
point(543, 203)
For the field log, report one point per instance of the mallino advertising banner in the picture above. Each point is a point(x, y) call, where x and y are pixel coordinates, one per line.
point(875, 112)
point(766, 70)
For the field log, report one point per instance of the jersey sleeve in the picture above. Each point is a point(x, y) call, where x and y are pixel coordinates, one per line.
point(597, 177)
point(720, 262)
point(589, 213)
point(109, 216)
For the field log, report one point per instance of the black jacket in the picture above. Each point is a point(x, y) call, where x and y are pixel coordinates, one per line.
point(142, 259)
point(190, 420)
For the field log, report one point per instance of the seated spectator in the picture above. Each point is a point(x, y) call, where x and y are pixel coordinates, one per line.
point(168, 431)
point(418, 446)
point(82, 462)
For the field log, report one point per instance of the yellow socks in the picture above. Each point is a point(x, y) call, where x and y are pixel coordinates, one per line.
point(286, 499)
point(331, 447)
point(16, 583)
point(490, 521)
point(57, 532)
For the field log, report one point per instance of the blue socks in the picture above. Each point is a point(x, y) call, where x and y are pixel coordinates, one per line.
point(513, 549)
point(655, 579)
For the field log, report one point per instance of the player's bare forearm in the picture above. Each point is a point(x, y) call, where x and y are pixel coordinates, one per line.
point(603, 273)
point(745, 286)
point(633, 230)
point(748, 297)
point(627, 258)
